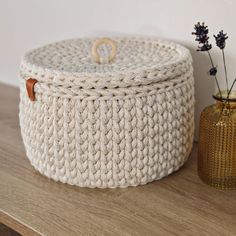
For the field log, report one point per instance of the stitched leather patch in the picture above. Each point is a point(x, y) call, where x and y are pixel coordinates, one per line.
point(30, 88)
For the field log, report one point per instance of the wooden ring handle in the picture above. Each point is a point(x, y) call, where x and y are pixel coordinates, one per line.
point(97, 43)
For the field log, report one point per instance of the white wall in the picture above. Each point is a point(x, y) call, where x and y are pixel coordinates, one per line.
point(25, 24)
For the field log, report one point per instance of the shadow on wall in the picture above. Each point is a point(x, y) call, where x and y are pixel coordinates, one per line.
point(204, 84)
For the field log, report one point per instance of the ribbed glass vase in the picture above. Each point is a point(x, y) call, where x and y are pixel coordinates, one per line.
point(217, 143)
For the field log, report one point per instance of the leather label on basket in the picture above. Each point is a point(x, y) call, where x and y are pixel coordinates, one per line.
point(30, 88)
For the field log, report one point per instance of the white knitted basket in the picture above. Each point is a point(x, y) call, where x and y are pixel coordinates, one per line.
point(119, 115)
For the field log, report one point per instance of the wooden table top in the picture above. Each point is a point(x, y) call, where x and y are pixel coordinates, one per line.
point(34, 205)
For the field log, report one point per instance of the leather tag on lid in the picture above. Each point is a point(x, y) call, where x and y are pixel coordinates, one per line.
point(30, 88)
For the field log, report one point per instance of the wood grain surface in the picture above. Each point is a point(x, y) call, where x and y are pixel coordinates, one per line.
point(6, 231)
point(34, 205)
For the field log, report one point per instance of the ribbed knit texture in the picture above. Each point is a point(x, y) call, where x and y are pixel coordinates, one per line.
point(112, 125)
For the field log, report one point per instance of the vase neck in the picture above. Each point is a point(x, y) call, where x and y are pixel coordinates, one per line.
point(224, 101)
point(227, 105)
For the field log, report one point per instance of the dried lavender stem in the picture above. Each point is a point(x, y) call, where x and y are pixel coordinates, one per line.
point(231, 89)
point(215, 75)
point(226, 77)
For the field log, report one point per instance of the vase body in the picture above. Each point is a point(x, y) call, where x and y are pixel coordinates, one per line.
point(217, 145)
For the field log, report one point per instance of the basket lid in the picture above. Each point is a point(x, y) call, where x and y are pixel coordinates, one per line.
point(104, 63)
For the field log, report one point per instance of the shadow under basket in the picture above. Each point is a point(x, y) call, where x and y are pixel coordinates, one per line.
point(217, 143)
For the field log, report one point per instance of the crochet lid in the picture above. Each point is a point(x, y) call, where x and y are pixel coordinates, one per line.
point(106, 63)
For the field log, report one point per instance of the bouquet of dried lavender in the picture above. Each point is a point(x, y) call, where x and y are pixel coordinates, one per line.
point(201, 33)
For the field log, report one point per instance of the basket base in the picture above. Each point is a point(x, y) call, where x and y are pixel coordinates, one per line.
point(111, 183)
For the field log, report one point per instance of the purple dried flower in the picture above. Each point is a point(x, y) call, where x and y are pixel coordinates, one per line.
point(202, 38)
point(220, 39)
point(201, 32)
point(213, 71)
point(204, 47)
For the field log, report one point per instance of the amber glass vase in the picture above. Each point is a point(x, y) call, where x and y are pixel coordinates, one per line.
point(217, 143)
